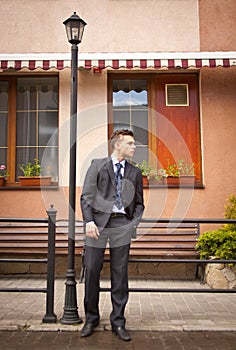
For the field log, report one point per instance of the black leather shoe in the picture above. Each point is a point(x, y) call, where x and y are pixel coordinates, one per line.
point(122, 333)
point(88, 329)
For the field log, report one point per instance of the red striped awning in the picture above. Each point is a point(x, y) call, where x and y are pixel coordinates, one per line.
point(100, 61)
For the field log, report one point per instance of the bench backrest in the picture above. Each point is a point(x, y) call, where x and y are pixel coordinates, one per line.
point(153, 239)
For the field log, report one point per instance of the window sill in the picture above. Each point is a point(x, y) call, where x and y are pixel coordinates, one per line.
point(183, 182)
point(196, 186)
point(16, 186)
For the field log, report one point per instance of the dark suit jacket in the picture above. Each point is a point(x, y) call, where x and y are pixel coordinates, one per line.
point(98, 193)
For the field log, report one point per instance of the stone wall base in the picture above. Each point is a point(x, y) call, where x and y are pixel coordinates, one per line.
point(220, 276)
point(136, 270)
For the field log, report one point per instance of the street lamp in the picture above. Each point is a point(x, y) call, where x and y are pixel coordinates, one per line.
point(74, 30)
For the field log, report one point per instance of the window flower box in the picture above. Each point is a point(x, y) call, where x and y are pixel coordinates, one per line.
point(32, 175)
point(181, 180)
point(35, 180)
point(2, 180)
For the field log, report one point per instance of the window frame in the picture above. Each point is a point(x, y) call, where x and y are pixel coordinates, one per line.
point(152, 106)
point(12, 120)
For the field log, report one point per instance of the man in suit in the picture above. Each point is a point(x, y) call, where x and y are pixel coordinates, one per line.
point(112, 206)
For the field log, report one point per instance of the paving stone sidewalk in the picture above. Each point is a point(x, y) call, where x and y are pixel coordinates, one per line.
point(108, 341)
point(147, 311)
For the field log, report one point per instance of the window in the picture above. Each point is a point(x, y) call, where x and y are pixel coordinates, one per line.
point(3, 121)
point(130, 110)
point(29, 116)
point(163, 111)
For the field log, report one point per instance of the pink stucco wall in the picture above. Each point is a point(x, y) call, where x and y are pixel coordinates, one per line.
point(217, 24)
point(162, 25)
point(118, 25)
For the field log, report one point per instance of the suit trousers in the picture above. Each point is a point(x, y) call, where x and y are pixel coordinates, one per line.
point(119, 257)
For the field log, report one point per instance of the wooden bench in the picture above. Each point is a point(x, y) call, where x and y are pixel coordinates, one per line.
point(154, 241)
point(165, 240)
point(30, 238)
point(159, 244)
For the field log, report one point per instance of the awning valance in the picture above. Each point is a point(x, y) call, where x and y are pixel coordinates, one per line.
point(148, 60)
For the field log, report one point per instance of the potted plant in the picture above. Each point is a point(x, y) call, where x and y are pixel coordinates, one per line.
point(3, 174)
point(146, 171)
point(220, 244)
point(180, 172)
point(32, 175)
point(159, 176)
point(149, 173)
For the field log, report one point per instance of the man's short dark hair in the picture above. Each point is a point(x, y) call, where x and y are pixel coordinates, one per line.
point(120, 132)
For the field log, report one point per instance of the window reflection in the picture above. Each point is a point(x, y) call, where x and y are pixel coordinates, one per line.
point(3, 121)
point(130, 110)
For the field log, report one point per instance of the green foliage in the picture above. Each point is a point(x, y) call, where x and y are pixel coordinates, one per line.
point(221, 242)
point(150, 172)
point(230, 211)
point(172, 170)
point(30, 169)
point(185, 168)
point(145, 168)
point(180, 168)
point(3, 170)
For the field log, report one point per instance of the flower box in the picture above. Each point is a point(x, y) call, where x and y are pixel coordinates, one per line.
point(145, 180)
point(35, 180)
point(2, 180)
point(181, 180)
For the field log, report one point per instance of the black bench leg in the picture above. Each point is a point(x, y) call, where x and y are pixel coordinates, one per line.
point(202, 273)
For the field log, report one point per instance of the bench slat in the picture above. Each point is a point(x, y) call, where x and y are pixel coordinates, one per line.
point(153, 239)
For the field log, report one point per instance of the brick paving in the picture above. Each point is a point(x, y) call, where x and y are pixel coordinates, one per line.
point(145, 311)
point(105, 340)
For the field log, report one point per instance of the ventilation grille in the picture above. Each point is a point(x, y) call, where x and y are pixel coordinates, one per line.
point(177, 95)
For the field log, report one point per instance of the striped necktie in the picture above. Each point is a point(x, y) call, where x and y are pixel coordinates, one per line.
point(118, 178)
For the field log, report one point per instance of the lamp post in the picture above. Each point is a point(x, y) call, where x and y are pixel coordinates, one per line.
point(74, 29)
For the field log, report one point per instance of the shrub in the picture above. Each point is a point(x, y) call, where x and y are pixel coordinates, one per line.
point(222, 242)
point(230, 211)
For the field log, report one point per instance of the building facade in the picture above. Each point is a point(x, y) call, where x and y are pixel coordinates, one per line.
point(165, 68)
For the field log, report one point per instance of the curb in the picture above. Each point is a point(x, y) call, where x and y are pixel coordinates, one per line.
point(76, 328)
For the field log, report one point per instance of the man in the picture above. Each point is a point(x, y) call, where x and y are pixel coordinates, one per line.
point(112, 206)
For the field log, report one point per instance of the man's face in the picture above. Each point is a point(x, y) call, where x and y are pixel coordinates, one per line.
point(125, 146)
